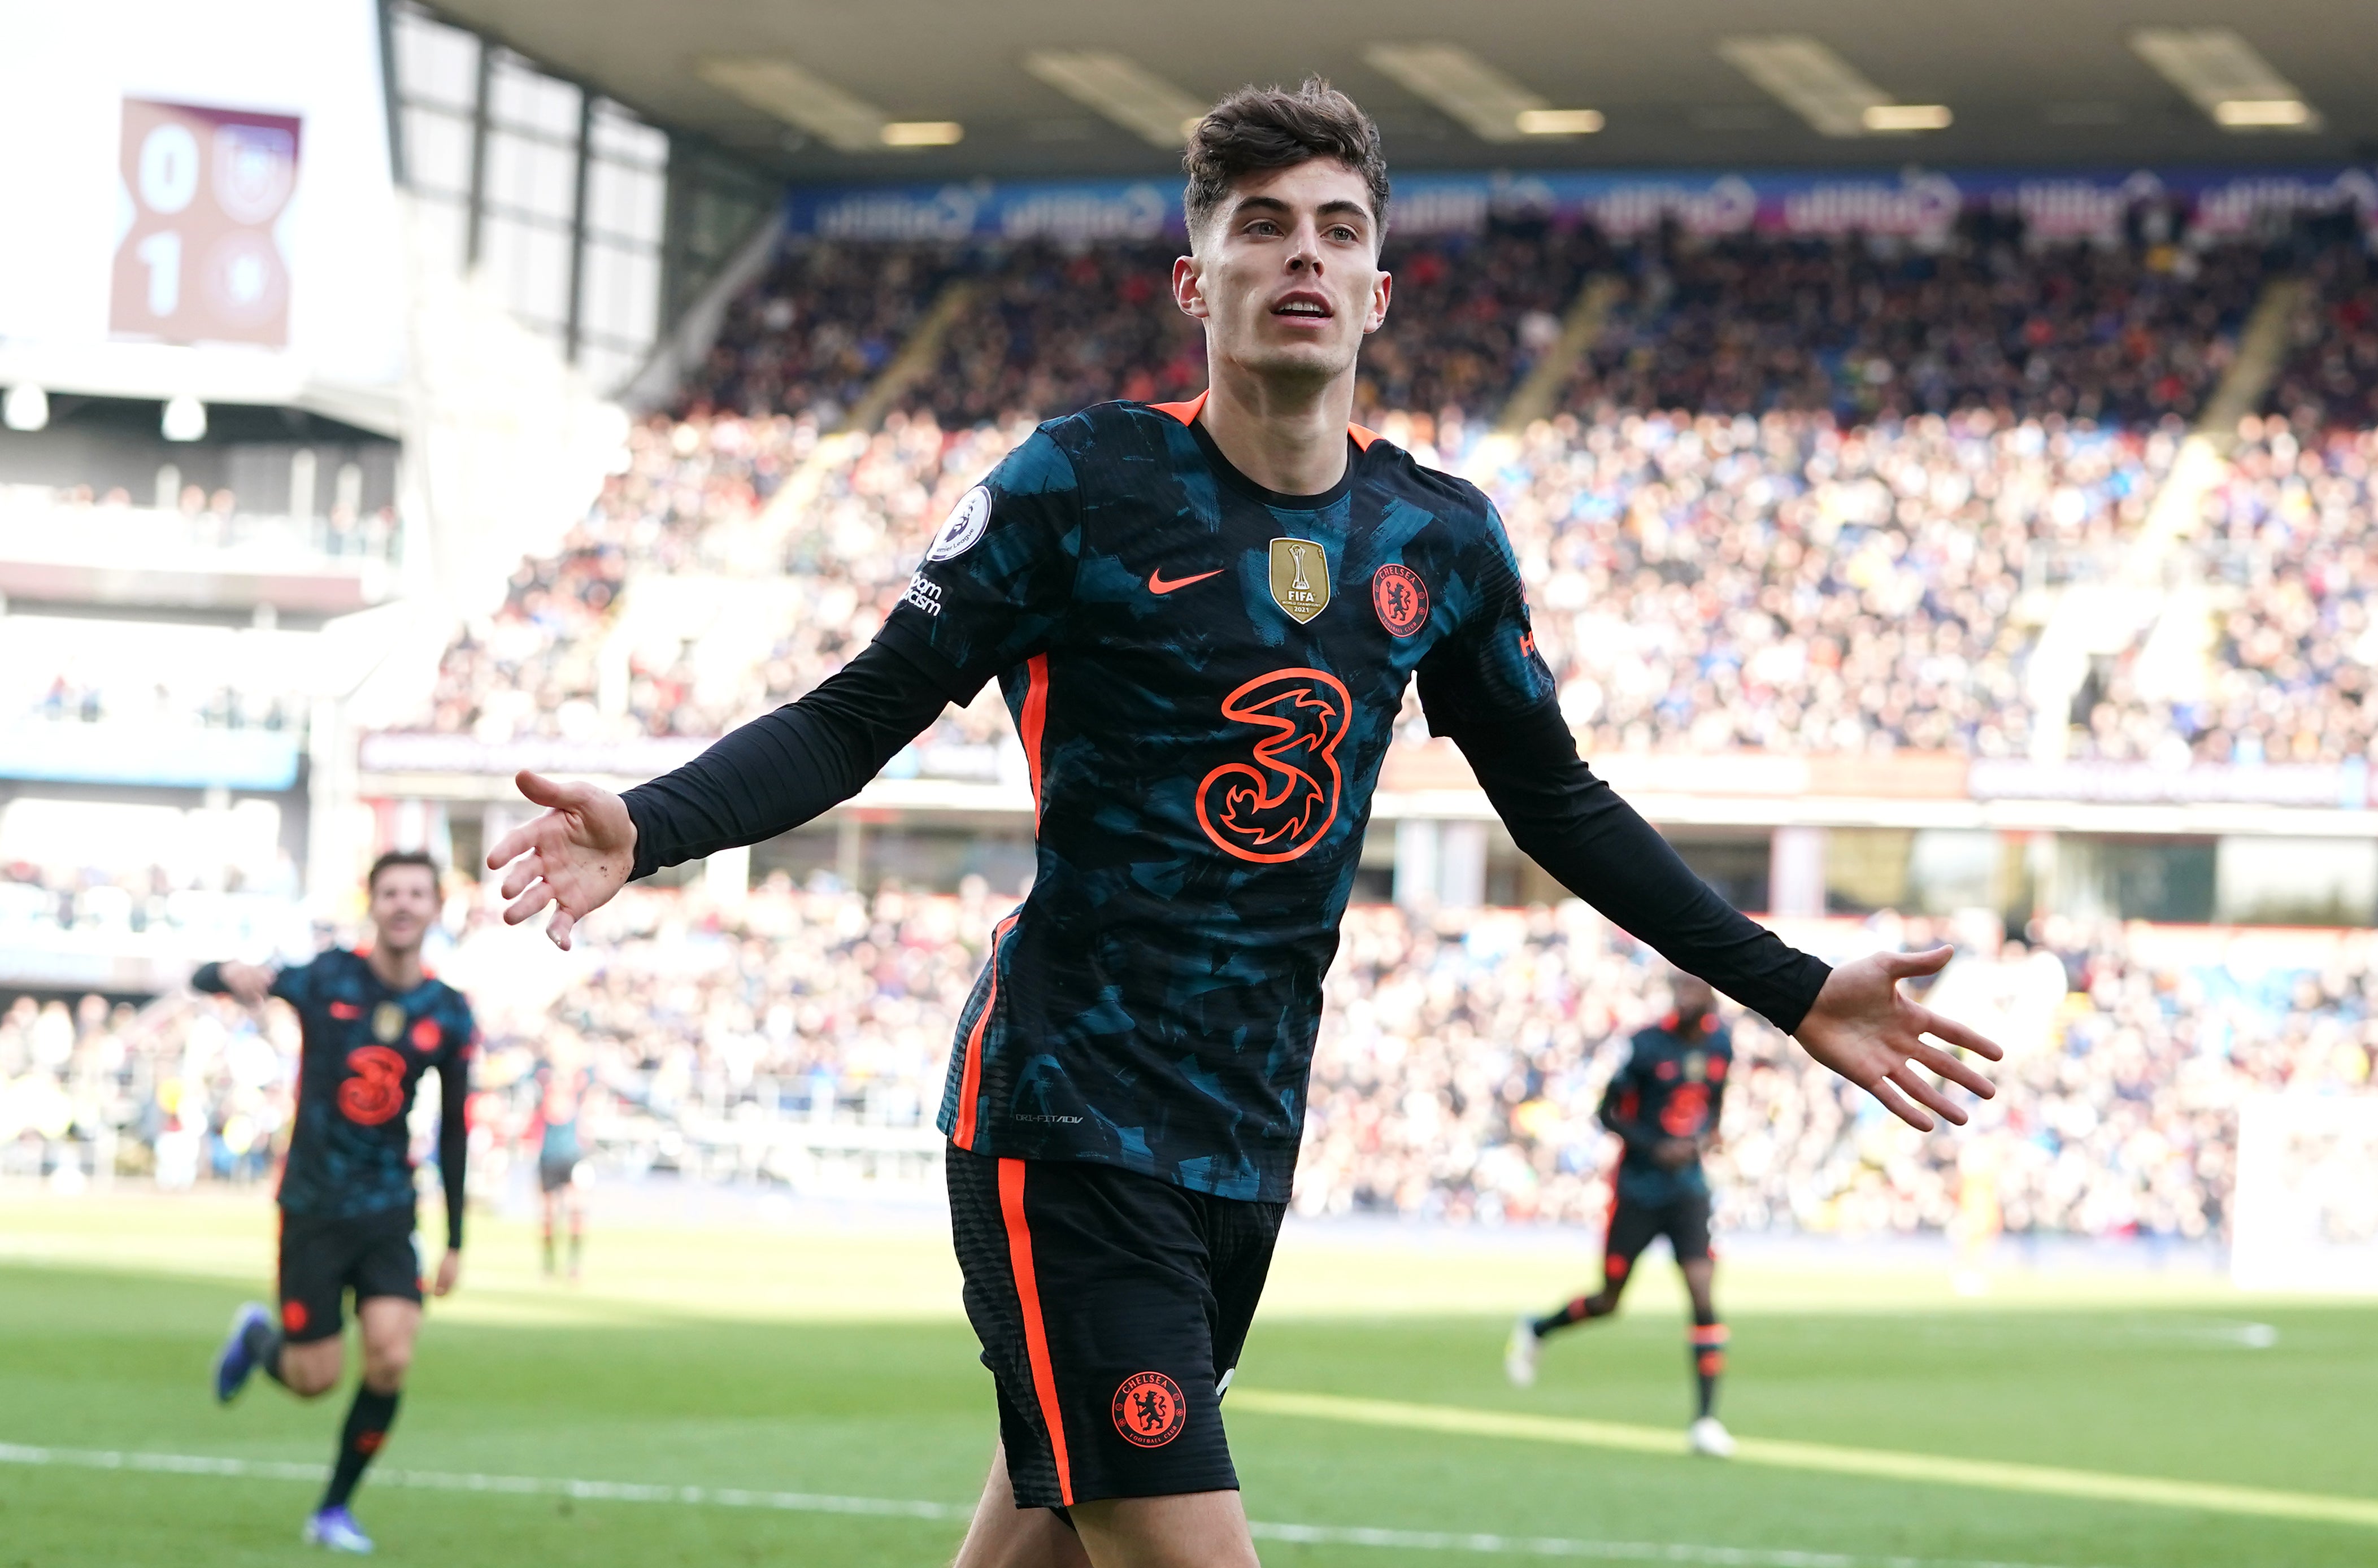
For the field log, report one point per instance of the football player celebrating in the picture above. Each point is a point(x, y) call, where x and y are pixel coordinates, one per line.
point(1664, 1104)
point(371, 1023)
point(1205, 616)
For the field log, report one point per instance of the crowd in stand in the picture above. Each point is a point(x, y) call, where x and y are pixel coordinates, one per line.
point(810, 334)
point(1781, 582)
point(2330, 376)
point(1888, 446)
point(1778, 582)
point(1860, 329)
point(1461, 1059)
point(2125, 334)
point(2287, 542)
point(192, 1089)
point(1049, 328)
point(2278, 589)
point(589, 644)
point(1053, 329)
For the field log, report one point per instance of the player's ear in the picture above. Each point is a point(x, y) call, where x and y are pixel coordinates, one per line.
point(1373, 319)
point(1189, 286)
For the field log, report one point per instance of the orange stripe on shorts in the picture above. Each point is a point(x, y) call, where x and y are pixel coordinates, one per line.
point(1035, 1335)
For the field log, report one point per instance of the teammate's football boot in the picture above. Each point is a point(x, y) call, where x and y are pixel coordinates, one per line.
point(1519, 1354)
point(1709, 1437)
point(235, 1362)
point(335, 1529)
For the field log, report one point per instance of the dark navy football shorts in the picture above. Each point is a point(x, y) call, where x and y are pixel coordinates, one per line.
point(323, 1257)
point(1112, 1306)
point(1684, 1220)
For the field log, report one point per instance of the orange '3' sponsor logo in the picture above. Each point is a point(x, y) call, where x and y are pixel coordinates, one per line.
point(1282, 804)
point(377, 1091)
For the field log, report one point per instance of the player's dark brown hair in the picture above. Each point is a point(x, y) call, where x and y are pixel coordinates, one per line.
point(1259, 128)
point(399, 858)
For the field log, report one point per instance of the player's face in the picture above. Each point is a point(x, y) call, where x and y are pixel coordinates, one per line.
point(403, 902)
point(1286, 276)
point(1694, 998)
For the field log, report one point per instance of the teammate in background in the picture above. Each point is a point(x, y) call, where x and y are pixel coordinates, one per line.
point(1205, 616)
point(1664, 1104)
point(562, 1084)
point(371, 1024)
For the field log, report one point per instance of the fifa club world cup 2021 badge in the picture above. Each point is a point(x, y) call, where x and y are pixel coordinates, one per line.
point(1299, 578)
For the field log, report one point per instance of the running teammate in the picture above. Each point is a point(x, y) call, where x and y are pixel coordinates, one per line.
point(1203, 617)
point(1664, 1104)
point(562, 1084)
point(371, 1024)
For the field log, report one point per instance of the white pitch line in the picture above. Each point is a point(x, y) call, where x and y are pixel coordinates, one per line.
point(1476, 1543)
point(1608, 1551)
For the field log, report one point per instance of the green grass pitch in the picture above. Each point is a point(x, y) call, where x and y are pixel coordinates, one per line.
point(825, 1362)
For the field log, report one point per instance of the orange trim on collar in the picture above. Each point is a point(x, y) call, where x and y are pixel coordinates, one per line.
point(1362, 436)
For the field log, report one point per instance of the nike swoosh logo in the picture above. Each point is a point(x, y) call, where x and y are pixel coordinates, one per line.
point(1156, 583)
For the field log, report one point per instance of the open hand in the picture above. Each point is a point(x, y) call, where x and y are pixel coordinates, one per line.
point(450, 1269)
point(1864, 1029)
point(249, 983)
point(574, 858)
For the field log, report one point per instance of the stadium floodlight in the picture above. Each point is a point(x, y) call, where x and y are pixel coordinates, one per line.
point(1889, 117)
point(801, 99)
point(2226, 76)
point(1122, 89)
point(1559, 122)
point(185, 419)
point(1491, 104)
point(923, 132)
point(27, 408)
point(1823, 88)
point(2263, 113)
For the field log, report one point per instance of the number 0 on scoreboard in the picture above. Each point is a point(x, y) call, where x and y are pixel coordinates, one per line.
point(201, 261)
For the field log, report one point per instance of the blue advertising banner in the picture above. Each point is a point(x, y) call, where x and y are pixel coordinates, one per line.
point(56, 751)
point(1917, 205)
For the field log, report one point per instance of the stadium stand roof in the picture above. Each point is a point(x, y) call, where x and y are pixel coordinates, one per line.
point(2030, 81)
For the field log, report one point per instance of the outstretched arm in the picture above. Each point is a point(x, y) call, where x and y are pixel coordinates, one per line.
point(771, 775)
point(249, 983)
point(1853, 1019)
point(1576, 827)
